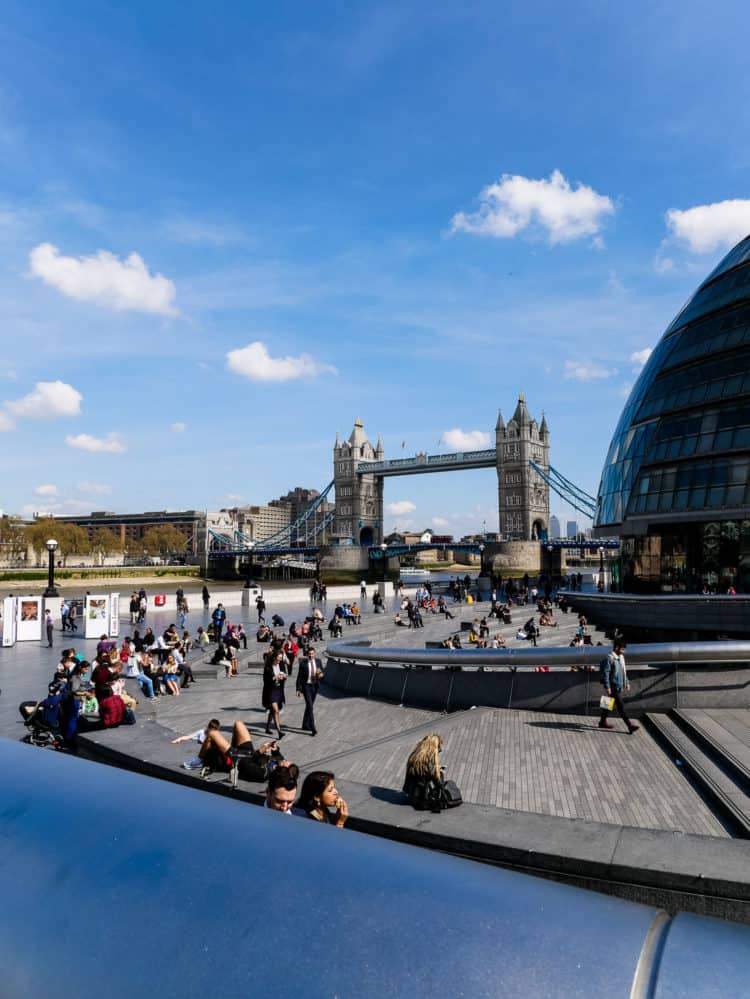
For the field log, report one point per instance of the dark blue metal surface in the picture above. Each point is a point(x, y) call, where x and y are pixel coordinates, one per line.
point(118, 885)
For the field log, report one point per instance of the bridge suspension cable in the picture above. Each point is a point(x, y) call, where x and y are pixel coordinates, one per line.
point(305, 531)
point(568, 491)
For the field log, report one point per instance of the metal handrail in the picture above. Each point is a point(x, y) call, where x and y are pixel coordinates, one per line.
point(656, 654)
point(349, 914)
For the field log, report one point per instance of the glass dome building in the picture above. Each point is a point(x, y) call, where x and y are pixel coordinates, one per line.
point(675, 485)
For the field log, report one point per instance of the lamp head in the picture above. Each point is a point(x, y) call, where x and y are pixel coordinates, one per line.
point(51, 545)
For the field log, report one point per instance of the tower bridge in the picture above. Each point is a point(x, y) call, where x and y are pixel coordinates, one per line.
point(351, 533)
point(520, 457)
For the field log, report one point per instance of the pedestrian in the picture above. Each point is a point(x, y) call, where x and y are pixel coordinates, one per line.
point(363, 589)
point(218, 617)
point(614, 677)
point(64, 614)
point(179, 595)
point(49, 625)
point(206, 597)
point(261, 606)
point(72, 616)
point(309, 674)
point(184, 611)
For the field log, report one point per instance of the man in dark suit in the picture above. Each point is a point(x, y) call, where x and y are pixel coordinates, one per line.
point(309, 672)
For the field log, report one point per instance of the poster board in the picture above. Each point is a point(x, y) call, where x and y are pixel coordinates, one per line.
point(9, 622)
point(114, 615)
point(96, 614)
point(28, 619)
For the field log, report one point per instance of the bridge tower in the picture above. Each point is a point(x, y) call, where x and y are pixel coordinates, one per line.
point(522, 494)
point(359, 498)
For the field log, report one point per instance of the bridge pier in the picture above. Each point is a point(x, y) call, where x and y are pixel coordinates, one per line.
point(504, 557)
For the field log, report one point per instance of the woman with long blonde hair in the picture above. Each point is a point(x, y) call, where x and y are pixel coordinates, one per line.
point(423, 765)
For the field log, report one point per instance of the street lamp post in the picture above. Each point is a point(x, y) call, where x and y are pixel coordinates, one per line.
point(601, 569)
point(51, 590)
point(383, 550)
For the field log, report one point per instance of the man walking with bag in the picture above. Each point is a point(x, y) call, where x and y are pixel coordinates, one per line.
point(614, 677)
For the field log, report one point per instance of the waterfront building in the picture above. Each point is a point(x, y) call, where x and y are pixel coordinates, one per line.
point(130, 527)
point(554, 527)
point(676, 485)
point(571, 529)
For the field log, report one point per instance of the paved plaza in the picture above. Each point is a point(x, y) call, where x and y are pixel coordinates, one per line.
point(533, 762)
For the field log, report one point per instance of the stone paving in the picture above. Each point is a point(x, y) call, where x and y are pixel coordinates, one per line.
point(526, 761)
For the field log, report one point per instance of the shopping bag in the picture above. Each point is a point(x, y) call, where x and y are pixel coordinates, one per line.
point(606, 703)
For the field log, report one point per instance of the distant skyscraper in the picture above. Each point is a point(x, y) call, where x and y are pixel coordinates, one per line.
point(554, 527)
point(571, 529)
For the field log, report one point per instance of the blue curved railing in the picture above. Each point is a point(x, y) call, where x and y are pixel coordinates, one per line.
point(120, 885)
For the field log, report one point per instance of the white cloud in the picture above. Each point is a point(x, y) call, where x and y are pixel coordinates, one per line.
point(663, 265)
point(466, 440)
point(515, 203)
point(6, 423)
point(401, 507)
point(111, 444)
point(187, 230)
point(48, 401)
point(178, 428)
point(256, 363)
point(47, 490)
point(94, 488)
point(705, 228)
point(639, 357)
point(105, 279)
point(440, 522)
point(586, 371)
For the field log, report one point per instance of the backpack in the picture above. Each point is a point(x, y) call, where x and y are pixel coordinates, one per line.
point(450, 796)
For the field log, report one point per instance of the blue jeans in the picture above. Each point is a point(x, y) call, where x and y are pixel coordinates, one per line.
point(145, 684)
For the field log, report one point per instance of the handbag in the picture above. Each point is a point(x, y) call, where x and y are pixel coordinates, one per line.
point(606, 703)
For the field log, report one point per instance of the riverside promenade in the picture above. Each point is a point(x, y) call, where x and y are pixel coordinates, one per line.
point(542, 791)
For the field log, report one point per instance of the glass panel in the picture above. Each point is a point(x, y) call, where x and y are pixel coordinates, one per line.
point(680, 499)
point(723, 440)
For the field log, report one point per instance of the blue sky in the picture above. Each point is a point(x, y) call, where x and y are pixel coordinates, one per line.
point(227, 232)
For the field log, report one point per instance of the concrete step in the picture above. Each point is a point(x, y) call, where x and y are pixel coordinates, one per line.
point(721, 736)
point(727, 798)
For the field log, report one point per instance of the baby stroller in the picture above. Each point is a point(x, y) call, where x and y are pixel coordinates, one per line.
point(39, 732)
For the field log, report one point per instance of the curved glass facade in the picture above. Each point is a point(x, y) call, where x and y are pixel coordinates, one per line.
point(676, 481)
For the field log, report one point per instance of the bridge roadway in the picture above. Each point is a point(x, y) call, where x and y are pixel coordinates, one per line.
point(534, 778)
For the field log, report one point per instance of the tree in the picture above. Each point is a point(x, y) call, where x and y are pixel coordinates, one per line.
point(164, 538)
point(104, 542)
point(13, 544)
point(71, 539)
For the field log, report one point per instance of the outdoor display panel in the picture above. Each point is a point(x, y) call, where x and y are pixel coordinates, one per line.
point(28, 619)
point(9, 622)
point(114, 615)
point(97, 616)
